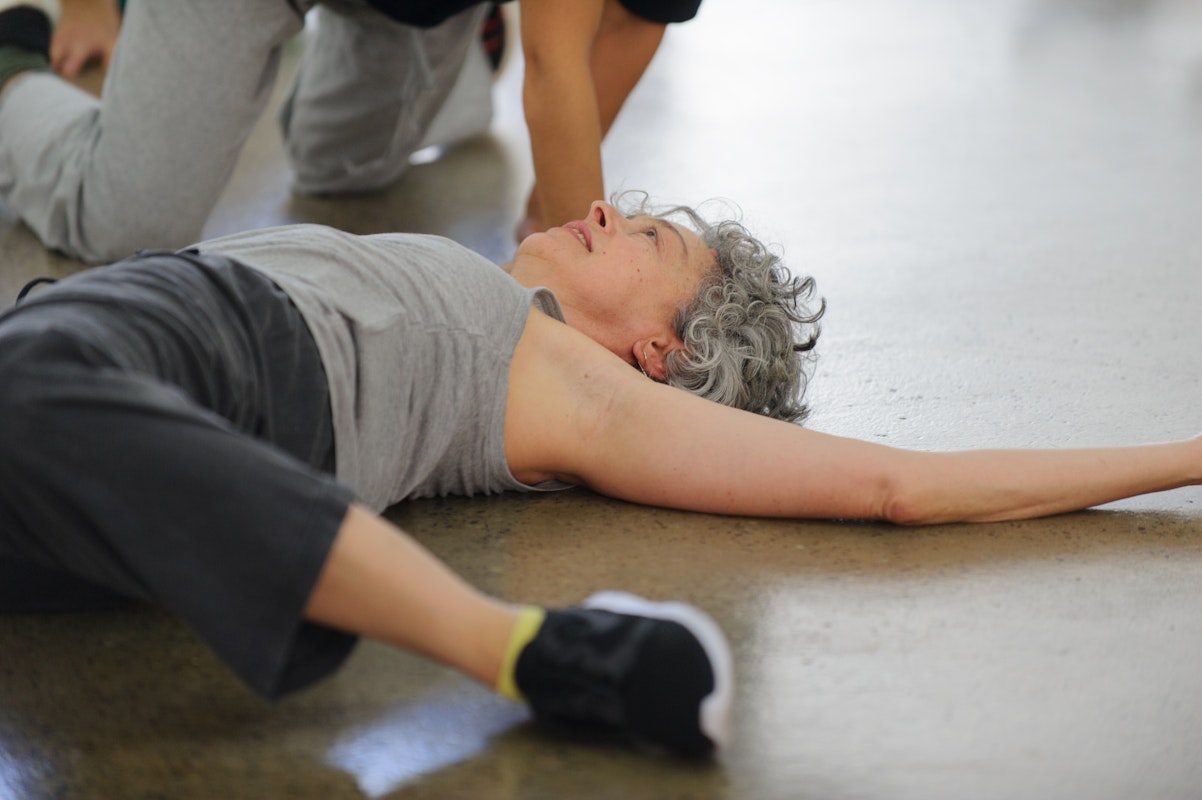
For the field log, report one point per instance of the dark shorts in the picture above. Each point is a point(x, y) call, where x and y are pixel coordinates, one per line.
point(165, 435)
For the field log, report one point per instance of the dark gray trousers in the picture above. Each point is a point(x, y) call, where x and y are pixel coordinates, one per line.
point(165, 435)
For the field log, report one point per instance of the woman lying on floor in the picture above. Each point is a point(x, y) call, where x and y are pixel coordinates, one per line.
point(214, 431)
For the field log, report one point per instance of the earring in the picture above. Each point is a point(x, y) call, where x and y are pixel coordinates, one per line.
point(644, 361)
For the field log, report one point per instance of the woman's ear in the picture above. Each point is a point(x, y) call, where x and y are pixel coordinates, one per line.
point(652, 355)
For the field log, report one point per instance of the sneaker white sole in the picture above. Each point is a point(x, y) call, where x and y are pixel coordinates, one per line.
point(715, 708)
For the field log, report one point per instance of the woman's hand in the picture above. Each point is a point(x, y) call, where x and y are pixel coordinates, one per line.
point(86, 33)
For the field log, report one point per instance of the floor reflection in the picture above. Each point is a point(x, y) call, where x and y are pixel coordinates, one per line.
point(449, 724)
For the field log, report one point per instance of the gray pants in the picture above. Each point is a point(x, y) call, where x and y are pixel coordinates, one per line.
point(144, 166)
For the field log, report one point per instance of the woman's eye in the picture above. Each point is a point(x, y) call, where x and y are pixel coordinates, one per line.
point(652, 233)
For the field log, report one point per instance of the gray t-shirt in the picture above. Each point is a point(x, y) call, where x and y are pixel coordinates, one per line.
point(416, 334)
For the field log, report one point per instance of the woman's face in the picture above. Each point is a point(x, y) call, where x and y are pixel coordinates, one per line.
point(619, 280)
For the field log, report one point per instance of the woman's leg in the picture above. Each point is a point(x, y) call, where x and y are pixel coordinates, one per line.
point(378, 581)
point(143, 165)
point(366, 92)
point(656, 674)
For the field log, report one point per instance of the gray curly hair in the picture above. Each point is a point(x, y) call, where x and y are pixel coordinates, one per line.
point(748, 334)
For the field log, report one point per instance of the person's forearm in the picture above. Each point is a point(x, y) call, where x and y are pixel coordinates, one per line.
point(572, 95)
point(624, 48)
point(565, 141)
point(561, 105)
point(992, 485)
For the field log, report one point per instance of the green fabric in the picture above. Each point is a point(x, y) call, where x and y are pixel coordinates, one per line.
point(15, 60)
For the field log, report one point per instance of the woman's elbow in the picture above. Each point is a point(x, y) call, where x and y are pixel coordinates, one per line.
point(905, 512)
point(903, 504)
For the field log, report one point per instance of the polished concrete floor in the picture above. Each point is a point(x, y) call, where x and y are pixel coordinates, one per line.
point(1001, 202)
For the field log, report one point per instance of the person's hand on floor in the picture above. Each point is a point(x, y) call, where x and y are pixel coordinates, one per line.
point(86, 34)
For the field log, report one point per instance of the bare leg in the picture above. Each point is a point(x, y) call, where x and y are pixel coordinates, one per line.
point(654, 672)
point(380, 583)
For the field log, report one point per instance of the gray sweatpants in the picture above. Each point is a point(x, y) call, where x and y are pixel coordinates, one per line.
point(143, 166)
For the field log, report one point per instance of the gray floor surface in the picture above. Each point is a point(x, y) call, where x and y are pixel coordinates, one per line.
point(1000, 202)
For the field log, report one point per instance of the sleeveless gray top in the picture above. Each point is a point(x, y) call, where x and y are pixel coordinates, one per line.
point(416, 334)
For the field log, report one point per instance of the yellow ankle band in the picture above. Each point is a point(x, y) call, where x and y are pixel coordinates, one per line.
point(530, 619)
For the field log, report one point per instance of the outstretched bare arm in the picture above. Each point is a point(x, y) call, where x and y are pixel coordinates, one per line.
point(709, 458)
point(606, 426)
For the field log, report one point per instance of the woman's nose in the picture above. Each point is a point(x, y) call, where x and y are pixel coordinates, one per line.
point(603, 214)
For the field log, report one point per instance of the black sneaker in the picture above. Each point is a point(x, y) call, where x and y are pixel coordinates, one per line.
point(657, 675)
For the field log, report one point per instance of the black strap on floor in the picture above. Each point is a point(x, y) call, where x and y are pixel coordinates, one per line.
point(25, 290)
